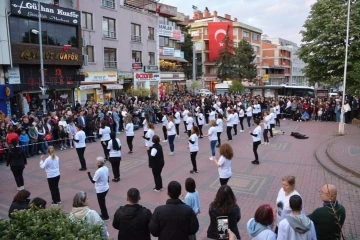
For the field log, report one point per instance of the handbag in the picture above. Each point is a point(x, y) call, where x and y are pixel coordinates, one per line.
point(48, 137)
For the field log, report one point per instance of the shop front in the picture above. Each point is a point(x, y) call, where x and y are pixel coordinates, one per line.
point(126, 79)
point(173, 81)
point(147, 80)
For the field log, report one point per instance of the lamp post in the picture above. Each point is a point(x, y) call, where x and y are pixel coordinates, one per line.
point(342, 120)
point(43, 89)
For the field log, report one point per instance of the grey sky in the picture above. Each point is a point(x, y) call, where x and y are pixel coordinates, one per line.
point(276, 18)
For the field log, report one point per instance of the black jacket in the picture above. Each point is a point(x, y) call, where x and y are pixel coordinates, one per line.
point(173, 221)
point(18, 206)
point(132, 221)
point(157, 162)
point(16, 157)
point(234, 217)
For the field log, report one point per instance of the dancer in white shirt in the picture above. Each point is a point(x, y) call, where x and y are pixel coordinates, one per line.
point(256, 137)
point(171, 132)
point(177, 119)
point(129, 128)
point(194, 147)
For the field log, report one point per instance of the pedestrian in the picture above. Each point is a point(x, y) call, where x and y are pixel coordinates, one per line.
point(149, 140)
point(145, 123)
point(194, 147)
point(80, 145)
point(256, 137)
point(185, 117)
point(249, 114)
point(132, 220)
point(212, 135)
point(229, 123)
point(259, 227)
point(189, 123)
point(129, 129)
point(16, 159)
point(219, 129)
point(235, 121)
point(201, 121)
point(241, 117)
point(40, 203)
point(266, 122)
point(20, 202)
point(114, 147)
point(272, 121)
point(104, 134)
point(157, 163)
point(164, 123)
point(224, 163)
point(177, 117)
point(171, 132)
point(101, 181)
point(175, 220)
point(51, 166)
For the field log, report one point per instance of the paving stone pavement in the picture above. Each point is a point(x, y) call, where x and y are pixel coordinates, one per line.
point(253, 185)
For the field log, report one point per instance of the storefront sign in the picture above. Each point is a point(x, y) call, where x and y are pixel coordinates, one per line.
point(113, 86)
point(168, 51)
point(48, 12)
point(14, 75)
point(151, 69)
point(28, 54)
point(165, 30)
point(146, 76)
point(177, 53)
point(90, 86)
point(100, 76)
point(176, 35)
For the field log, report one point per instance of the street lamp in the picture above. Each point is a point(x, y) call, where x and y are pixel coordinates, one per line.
point(342, 120)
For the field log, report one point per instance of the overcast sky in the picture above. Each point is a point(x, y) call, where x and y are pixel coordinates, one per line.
point(276, 18)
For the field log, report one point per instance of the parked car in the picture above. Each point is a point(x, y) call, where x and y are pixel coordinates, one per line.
point(205, 92)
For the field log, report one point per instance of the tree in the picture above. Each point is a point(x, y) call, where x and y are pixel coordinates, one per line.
point(243, 61)
point(195, 85)
point(187, 48)
point(323, 47)
point(224, 60)
point(236, 87)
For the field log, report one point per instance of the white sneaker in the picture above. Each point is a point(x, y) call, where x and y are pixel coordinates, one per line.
point(61, 148)
point(171, 154)
point(71, 147)
point(22, 188)
point(165, 141)
point(211, 158)
point(177, 136)
point(19, 188)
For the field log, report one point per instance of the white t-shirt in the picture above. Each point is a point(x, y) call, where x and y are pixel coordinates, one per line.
point(194, 147)
point(236, 118)
point(177, 118)
point(219, 123)
point(212, 132)
point(257, 131)
point(150, 133)
point(185, 114)
point(241, 113)
point(212, 115)
point(51, 166)
point(229, 120)
point(201, 119)
point(189, 123)
point(197, 111)
point(145, 124)
point(277, 110)
point(257, 108)
point(129, 128)
point(249, 112)
point(172, 130)
point(80, 135)
point(267, 122)
point(283, 206)
point(164, 121)
point(101, 179)
point(114, 153)
point(105, 133)
point(272, 118)
point(225, 167)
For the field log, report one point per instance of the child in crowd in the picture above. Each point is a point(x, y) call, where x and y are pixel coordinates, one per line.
point(62, 137)
point(24, 142)
point(192, 198)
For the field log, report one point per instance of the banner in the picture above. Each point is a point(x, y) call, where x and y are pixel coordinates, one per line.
point(217, 33)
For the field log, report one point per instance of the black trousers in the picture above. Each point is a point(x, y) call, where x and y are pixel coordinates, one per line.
point(235, 128)
point(90, 134)
point(241, 123)
point(18, 175)
point(177, 129)
point(224, 181)
point(219, 138)
point(129, 141)
point(200, 129)
point(207, 118)
point(255, 147)
point(102, 204)
point(115, 165)
point(228, 132)
point(277, 121)
point(193, 160)
point(157, 178)
point(149, 156)
point(185, 126)
point(145, 133)
point(271, 127)
point(80, 152)
point(189, 133)
point(54, 188)
point(265, 135)
point(164, 132)
point(104, 146)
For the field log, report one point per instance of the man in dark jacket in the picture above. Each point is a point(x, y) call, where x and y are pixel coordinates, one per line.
point(90, 125)
point(132, 220)
point(175, 220)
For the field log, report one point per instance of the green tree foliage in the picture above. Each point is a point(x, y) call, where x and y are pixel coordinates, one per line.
point(46, 224)
point(195, 85)
point(324, 40)
point(236, 87)
point(187, 48)
point(243, 62)
point(140, 92)
point(224, 60)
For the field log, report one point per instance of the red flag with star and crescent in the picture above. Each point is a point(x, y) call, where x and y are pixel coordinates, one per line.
point(217, 32)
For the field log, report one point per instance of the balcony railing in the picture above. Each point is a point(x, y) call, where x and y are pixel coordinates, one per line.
point(137, 66)
point(108, 3)
point(110, 64)
point(135, 38)
point(109, 34)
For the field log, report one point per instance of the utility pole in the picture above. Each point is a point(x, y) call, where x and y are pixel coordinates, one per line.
point(43, 90)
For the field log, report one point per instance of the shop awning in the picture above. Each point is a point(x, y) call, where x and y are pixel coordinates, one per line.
point(89, 86)
point(171, 58)
point(113, 86)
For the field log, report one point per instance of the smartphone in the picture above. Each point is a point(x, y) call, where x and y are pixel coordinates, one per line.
point(223, 226)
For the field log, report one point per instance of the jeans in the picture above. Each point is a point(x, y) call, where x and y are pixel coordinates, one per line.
point(115, 165)
point(228, 132)
point(255, 147)
point(80, 152)
point(193, 160)
point(171, 143)
point(18, 175)
point(54, 188)
point(338, 114)
point(104, 145)
point(102, 204)
point(129, 141)
point(224, 181)
point(219, 138)
point(212, 146)
point(157, 178)
point(26, 149)
point(248, 120)
point(117, 124)
point(165, 132)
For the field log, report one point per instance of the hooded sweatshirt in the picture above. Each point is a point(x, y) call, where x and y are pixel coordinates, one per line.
point(300, 223)
point(260, 232)
point(296, 227)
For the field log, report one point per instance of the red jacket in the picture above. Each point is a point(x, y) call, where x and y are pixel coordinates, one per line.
point(11, 136)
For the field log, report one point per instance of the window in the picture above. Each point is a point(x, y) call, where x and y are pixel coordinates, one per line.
point(151, 58)
point(110, 58)
point(163, 20)
point(136, 56)
point(108, 3)
point(151, 33)
point(109, 30)
point(256, 49)
point(87, 20)
point(89, 50)
point(246, 34)
point(135, 32)
point(171, 43)
point(52, 33)
point(163, 41)
point(255, 37)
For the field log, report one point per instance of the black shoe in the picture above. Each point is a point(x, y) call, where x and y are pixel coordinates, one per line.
point(116, 180)
point(218, 145)
point(131, 152)
point(82, 169)
point(255, 162)
point(105, 219)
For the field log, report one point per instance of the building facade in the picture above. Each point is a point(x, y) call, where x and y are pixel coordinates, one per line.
point(199, 29)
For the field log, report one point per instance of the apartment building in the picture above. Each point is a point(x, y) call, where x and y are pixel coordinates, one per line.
point(199, 29)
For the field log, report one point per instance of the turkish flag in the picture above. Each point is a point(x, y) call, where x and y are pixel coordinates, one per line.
point(217, 32)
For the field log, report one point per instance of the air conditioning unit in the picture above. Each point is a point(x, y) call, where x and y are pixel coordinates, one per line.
point(85, 60)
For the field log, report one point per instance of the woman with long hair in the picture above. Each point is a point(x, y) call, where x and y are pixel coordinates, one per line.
point(212, 135)
point(224, 163)
point(16, 159)
point(256, 137)
point(51, 166)
point(171, 132)
point(148, 139)
point(224, 205)
point(194, 147)
point(157, 163)
point(20, 202)
point(259, 227)
point(129, 129)
point(104, 134)
point(80, 146)
point(114, 147)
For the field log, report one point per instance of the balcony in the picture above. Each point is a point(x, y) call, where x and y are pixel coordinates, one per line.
point(110, 64)
point(135, 38)
point(137, 66)
point(277, 75)
point(108, 3)
point(109, 34)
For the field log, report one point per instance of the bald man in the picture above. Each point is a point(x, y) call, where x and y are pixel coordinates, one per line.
point(324, 219)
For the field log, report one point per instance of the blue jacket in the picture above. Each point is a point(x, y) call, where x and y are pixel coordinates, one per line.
point(24, 139)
